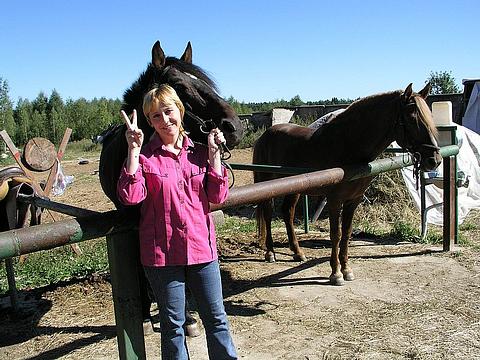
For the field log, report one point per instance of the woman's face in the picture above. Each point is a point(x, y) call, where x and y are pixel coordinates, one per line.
point(166, 120)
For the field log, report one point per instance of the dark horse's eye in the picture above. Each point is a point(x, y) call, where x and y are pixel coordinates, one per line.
point(227, 125)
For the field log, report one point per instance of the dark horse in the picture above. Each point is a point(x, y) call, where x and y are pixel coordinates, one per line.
point(204, 109)
point(198, 93)
point(358, 135)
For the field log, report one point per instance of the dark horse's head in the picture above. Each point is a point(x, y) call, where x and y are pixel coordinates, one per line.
point(415, 130)
point(197, 92)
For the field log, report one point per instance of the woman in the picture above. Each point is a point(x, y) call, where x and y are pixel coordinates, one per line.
point(176, 179)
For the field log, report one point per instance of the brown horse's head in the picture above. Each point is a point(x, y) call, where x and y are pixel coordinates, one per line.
point(415, 130)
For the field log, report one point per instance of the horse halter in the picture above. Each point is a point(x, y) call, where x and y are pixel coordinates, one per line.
point(408, 146)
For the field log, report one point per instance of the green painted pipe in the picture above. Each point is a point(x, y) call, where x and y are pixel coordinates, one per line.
point(47, 236)
point(445, 151)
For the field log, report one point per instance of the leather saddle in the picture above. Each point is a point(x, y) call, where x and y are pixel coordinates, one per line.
point(13, 181)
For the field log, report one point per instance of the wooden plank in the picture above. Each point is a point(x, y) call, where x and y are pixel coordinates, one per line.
point(17, 156)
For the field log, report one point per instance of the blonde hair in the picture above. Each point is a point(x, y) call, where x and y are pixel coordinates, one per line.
point(164, 94)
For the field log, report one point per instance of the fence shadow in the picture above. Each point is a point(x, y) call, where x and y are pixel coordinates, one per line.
point(23, 325)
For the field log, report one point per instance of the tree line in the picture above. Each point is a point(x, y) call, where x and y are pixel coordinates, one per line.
point(442, 82)
point(49, 116)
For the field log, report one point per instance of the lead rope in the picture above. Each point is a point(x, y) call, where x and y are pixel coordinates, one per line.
point(205, 127)
point(416, 168)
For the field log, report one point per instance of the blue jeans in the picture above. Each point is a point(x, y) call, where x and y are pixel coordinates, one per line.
point(168, 285)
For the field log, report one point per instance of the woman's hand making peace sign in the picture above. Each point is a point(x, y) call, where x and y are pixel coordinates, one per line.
point(133, 134)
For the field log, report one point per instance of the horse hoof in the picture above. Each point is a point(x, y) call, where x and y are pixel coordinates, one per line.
point(299, 258)
point(192, 330)
point(348, 276)
point(147, 327)
point(270, 257)
point(337, 279)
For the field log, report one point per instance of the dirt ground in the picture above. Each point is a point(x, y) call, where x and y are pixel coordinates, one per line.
point(409, 301)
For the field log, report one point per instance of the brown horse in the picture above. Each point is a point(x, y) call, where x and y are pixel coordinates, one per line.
point(357, 135)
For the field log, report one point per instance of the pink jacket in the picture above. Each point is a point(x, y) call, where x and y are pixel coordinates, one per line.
point(175, 226)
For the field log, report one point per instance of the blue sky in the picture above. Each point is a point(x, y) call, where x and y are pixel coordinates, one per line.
point(255, 50)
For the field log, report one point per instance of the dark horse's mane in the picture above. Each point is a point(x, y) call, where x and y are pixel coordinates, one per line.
point(134, 95)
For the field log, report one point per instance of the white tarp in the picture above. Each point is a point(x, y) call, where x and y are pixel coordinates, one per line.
point(471, 119)
point(281, 116)
point(468, 162)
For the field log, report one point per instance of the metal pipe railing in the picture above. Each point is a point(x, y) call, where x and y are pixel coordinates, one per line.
point(46, 236)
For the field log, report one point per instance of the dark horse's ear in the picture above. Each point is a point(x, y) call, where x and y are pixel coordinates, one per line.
point(187, 54)
point(425, 91)
point(158, 56)
point(408, 92)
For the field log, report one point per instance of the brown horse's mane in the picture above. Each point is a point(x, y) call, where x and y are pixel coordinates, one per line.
point(425, 115)
point(373, 99)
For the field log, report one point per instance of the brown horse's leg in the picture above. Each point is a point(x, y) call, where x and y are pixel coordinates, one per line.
point(347, 218)
point(334, 208)
point(288, 211)
point(267, 218)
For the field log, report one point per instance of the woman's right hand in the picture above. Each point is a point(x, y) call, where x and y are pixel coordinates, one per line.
point(134, 134)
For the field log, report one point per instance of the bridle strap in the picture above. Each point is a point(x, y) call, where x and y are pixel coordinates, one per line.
point(205, 127)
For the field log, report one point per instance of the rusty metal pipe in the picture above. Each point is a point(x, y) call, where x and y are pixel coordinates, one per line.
point(252, 194)
point(65, 232)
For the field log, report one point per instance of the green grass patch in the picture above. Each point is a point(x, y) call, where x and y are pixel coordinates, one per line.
point(81, 149)
point(51, 266)
point(433, 237)
point(236, 224)
point(250, 137)
point(403, 231)
point(469, 226)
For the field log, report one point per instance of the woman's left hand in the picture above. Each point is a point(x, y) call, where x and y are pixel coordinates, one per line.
point(215, 138)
